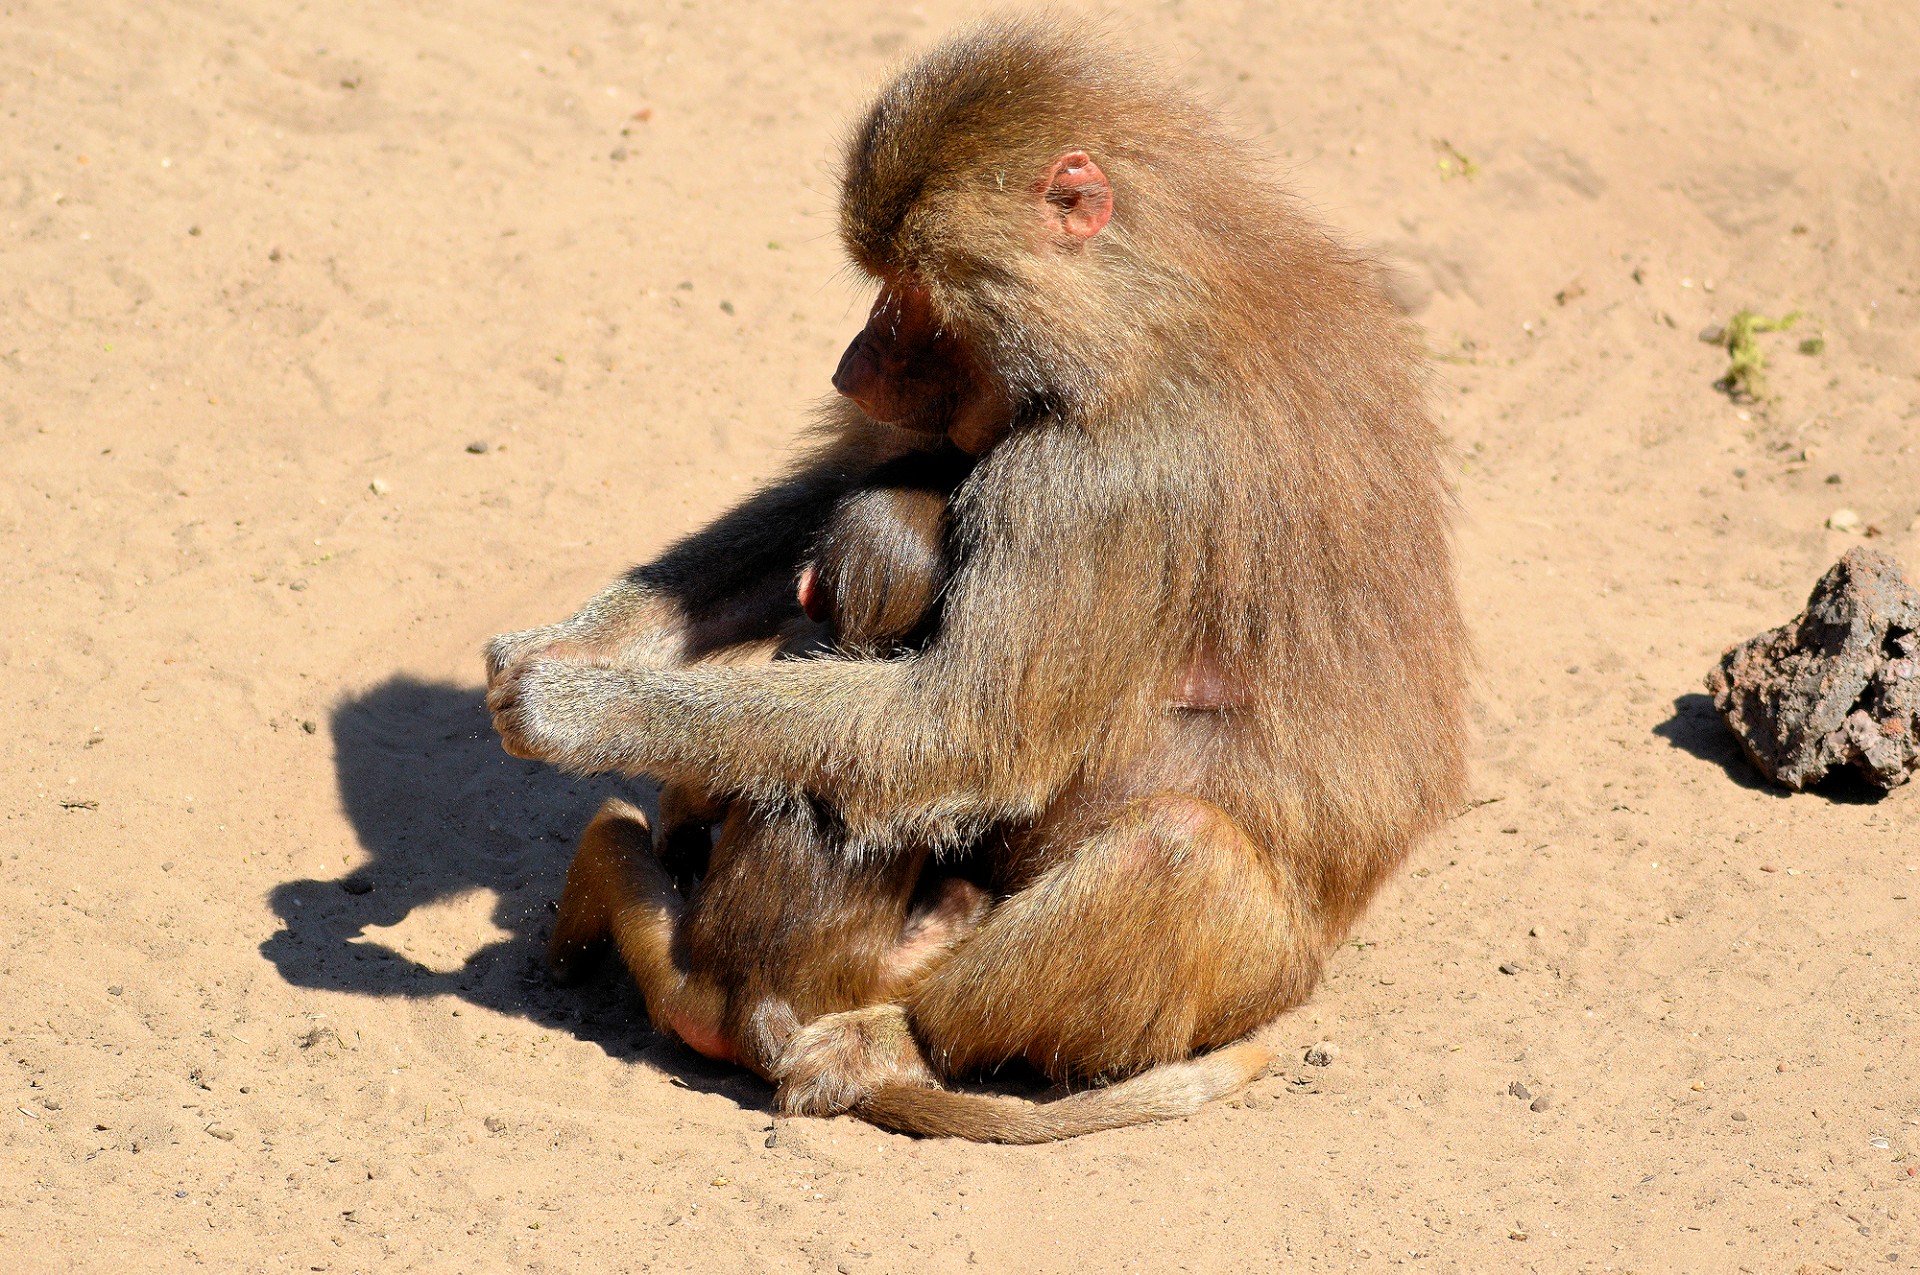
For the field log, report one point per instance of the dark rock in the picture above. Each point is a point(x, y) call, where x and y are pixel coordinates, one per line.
point(1519, 1091)
point(1838, 686)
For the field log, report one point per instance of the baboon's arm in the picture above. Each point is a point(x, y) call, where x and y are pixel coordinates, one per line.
point(731, 582)
point(1040, 639)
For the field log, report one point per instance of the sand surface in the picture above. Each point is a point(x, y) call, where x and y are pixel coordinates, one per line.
point(269, 269)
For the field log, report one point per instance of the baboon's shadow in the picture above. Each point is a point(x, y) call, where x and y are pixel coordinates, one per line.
point(442, 812)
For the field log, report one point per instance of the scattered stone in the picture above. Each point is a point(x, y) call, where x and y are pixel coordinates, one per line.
point(356, 885)
point(1252, 1101)
point(495, 1124)
point(1540, 1104)
point(378, 487)
point(1519, 1091)
point(1508, 967)
point(727, 306)
point(1843, 520)
point(1741, 1116)
point(220, 1131)
point(1713, 334)
point(1838, 686)
point(1833, 480)
point(773, 1138)
point(116, 990)
point(1322, 1054)
point(478, 447)
point(309, 726)
point(298, 586)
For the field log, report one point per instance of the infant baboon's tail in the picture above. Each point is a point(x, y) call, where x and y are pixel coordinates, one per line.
point(1161, 1093)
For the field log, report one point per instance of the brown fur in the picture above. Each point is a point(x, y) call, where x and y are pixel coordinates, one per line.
point(1197, 683)
point(776, 929)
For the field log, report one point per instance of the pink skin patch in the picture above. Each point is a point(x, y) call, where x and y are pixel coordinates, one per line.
point(813, 600)
point(702, 1038)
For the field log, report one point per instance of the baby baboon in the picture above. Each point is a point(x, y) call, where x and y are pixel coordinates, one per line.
point(1197, 679)
point(776, 928)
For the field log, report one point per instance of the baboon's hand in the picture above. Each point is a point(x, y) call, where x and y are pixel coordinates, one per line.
point(506, 651)
point(555, 706)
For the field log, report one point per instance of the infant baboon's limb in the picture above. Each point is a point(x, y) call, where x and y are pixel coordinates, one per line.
point(617, 890)
point(778, 932)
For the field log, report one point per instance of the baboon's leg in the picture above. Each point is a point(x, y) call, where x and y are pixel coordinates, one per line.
point(1163, 933)
point(616, 889)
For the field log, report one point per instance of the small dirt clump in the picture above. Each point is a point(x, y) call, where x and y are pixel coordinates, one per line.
point(1837, 686)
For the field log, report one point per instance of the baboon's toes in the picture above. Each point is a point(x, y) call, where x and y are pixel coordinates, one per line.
point(834, 1063)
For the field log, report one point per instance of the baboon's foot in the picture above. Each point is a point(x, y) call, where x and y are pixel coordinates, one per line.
point(837, 1061)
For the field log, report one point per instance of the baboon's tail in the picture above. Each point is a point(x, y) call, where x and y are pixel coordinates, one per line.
point(1161, 1093)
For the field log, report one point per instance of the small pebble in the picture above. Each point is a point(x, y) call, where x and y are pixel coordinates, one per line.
point(357, 885)
point(378, 487)
point(1519, 1091)
point(309, 726)
point(478, 447)
point(1833, 480)
point(1508, 967)
point(1741, 1116)
point(1878, 1143)
point(221, 1132)
point(727, 306)
point(1843, 520)
point(1540, 1104)
point(1713, 334)
point(298, 586)
point(618, 155)
point(773, 1138)
point(1322, 1054)
point(495, 1124)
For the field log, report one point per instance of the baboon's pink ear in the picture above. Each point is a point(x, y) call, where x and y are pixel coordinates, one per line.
point(1078, 199)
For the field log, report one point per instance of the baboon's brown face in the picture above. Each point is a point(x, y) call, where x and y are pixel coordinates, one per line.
point(908, 368)
point(903, 366)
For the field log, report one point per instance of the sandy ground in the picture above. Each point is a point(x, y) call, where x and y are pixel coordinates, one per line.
point(268, 270)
